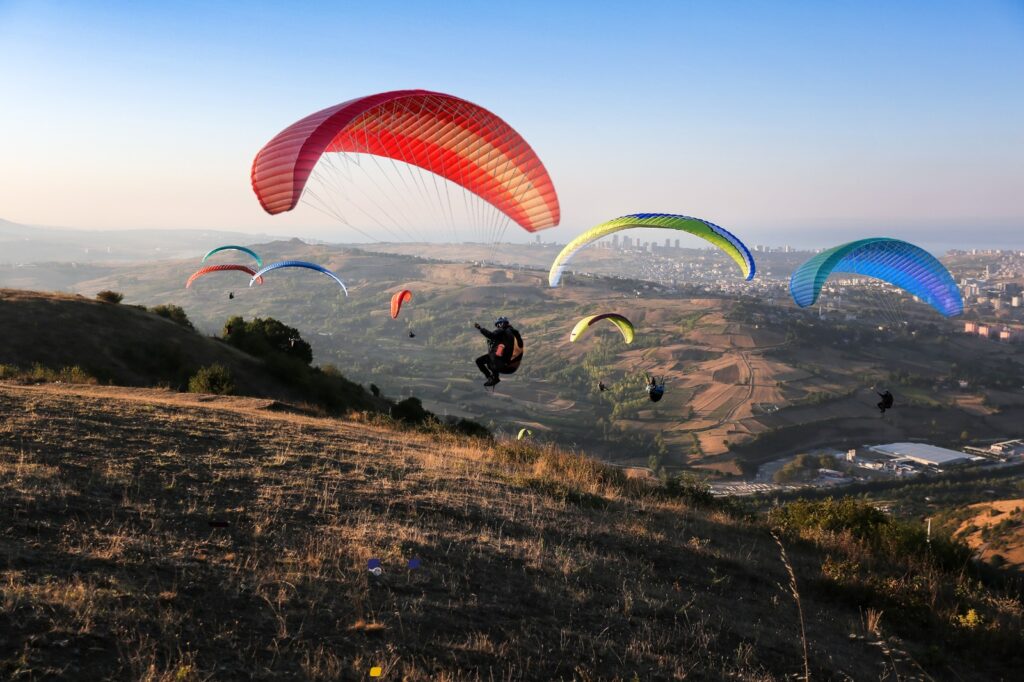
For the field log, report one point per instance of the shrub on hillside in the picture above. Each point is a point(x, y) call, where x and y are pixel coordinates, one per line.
point(215, 378)
point(860, 519)
point(108, 296)
point(690, 488)
point(174, 313)
point(410, 411)
point(468, 427)
point(881, 534)
point(39, 374)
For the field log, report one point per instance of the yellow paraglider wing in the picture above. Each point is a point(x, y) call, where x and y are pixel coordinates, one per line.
point(624, 325)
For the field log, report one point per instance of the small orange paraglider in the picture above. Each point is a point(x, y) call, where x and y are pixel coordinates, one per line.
point(397, 300)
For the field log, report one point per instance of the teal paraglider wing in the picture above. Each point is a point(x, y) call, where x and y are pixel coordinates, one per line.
point(900, 263)
point(231, 247)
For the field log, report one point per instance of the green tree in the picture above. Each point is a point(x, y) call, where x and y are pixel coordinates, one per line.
point(174, 313)
point(264, 337)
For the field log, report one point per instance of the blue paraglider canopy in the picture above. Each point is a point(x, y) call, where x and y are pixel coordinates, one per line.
point(298, 264)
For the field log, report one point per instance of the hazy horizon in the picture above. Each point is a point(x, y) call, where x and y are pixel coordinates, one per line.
point(799, 240)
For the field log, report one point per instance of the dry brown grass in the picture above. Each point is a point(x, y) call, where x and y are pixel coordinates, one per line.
point(160, 536)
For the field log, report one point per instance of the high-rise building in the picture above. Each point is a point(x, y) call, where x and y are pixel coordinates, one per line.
point(677, 243)
point(667, 243)
point(615, 241)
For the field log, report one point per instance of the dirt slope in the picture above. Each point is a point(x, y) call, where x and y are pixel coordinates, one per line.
point(996, 528)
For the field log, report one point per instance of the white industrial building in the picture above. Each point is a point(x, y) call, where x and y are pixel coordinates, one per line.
point(924, 454)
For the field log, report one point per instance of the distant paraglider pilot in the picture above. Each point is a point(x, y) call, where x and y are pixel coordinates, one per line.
point(601, 386)
point(504, 351)
point(886, 401)
point(655, 390)
point(231, 295)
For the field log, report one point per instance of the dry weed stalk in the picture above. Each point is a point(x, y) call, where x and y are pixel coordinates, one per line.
point(873, 621)
point(799, 606)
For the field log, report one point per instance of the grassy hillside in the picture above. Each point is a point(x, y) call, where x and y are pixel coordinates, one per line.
point(86, 340)
point(165, 536)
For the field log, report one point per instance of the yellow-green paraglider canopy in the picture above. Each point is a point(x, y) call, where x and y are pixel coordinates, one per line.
point(708, 231)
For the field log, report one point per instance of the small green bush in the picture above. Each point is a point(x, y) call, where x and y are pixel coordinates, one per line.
point(215, 378)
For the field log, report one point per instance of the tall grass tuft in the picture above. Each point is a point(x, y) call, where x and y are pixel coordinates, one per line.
point(795, 592)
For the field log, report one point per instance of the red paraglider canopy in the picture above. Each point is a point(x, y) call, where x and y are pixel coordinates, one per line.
point(445, 135)
point(397, 300)
point(218, 268)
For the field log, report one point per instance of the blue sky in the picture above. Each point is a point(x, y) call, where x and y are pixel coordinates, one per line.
point(806, 123)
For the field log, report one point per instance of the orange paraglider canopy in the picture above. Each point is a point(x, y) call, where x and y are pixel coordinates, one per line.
point(220, 268)
point(397, 300)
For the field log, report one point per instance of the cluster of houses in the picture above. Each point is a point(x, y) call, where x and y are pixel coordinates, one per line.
point(1000, 332)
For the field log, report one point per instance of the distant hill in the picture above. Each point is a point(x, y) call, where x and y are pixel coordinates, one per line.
point(26, 244)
